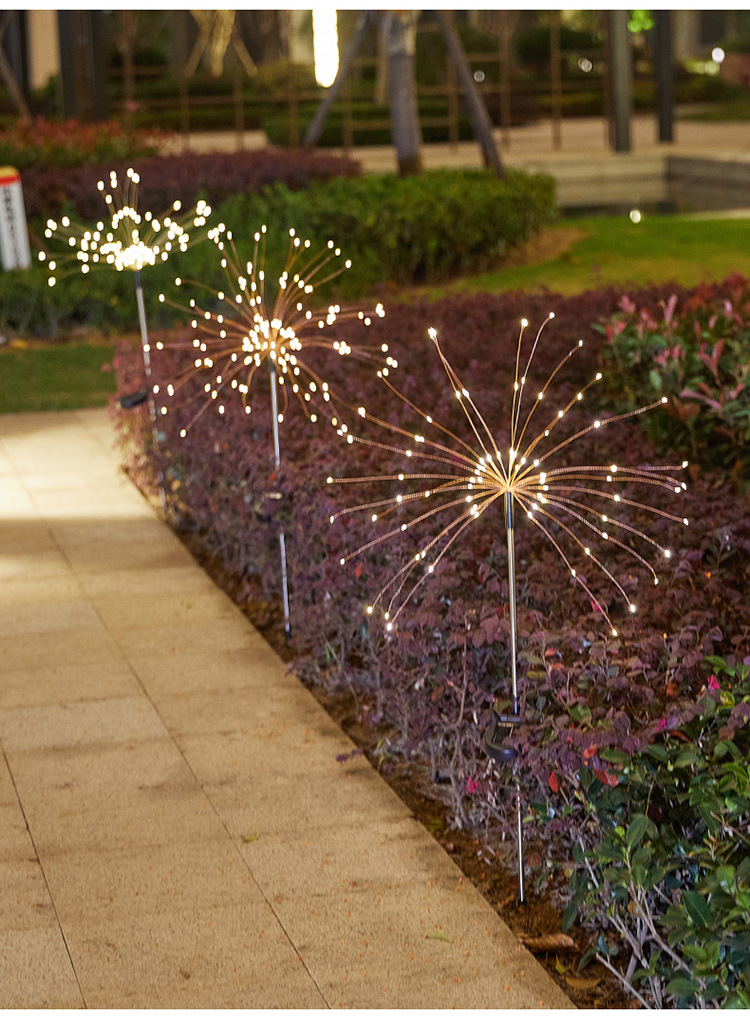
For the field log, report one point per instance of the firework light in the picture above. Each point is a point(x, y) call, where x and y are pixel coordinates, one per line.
point(572, 505)
point(569, 504)
point(265, 321)
point(129, 240)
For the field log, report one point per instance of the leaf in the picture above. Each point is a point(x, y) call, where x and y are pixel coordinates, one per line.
point(250, 838)
point(636, 831)
point(582, 983)
point(608, 778)
point(552, 941)
point(697, 908)
point(683, 986)
point(438, 934)
point(561, 968)
point(571, 913)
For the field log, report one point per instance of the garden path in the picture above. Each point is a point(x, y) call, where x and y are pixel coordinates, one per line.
point(176, 828)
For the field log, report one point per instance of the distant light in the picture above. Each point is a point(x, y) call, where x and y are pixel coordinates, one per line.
point(717, 54)
point(635, 215)
point(479, 77)
point(585, 65)
point(325, 45)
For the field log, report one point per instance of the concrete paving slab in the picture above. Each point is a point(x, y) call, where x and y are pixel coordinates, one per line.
point(66, 683)
point(282, 709)
point(96, 502)
point(25, 591)
point(15, 840)
point(234, 952)
point(205, 831)
point(87, 531)
point(15, 499)
point(184, 579)
point(7, 789)
point(223, 669)
point(73, 724)
point(95, 645)
point(182, 639)
point(22, 536)
point(43, 565)
point(108, 797)
point(25, 902)
point(156, 879)
point(35, 971)
point(103, 557)
point(48, 617)
point(194, 610)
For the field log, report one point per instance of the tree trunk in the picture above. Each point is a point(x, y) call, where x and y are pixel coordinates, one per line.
point(480, 120)
point(399, 30)
point(9, 79)
point(316, 125)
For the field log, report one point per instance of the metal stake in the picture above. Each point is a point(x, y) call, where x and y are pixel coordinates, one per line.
point(277, 462)
point(146, 352)
point(510, 528)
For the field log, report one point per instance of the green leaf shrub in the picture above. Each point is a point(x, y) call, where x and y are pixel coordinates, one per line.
point(667, 884)
point(401, 231)
point(410, 230)
point(699, 356)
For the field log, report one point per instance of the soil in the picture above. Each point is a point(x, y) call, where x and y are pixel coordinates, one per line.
point(491, 871)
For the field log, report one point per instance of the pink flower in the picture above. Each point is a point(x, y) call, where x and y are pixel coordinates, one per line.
point(471, 785)
point(662, 723)
point(713, 684)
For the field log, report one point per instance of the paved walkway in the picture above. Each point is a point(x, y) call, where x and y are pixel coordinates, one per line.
point(530, 145)
point(175, 829)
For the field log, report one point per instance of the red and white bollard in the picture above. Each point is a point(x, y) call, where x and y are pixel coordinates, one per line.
point(14, 234)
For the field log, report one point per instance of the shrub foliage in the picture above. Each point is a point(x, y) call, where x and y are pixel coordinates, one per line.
point(606, 721)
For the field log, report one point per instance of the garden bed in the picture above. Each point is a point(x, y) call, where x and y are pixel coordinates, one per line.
point(594, 703)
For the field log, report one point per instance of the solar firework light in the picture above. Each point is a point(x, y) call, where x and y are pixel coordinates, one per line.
point(261, 321)
point(464, 479)
point(128, 242)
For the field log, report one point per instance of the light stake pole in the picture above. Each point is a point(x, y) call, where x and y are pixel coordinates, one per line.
point(510, 530)
point(146, 352)
point(277, 462)
point(502, 726)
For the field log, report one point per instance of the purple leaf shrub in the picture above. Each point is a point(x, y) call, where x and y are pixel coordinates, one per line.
point(187, 177)
point(588, 698)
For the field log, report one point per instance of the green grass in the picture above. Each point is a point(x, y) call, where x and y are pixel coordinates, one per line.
point(612, 250)
point(730, 110)
point(55, 377)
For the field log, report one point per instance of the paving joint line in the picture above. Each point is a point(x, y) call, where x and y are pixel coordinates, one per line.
point(44, 877)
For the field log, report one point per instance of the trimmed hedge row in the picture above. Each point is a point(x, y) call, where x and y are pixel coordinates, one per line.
point(187, 177)
point(409, 230)
point(398, 231)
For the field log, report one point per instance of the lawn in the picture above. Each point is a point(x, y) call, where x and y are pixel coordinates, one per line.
point(613, 250)
point(55, 377)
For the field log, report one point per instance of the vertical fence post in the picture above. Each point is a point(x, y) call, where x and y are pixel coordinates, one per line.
point(182, 56)
point(453, 126)
point(292, 106)
point(606, 81)
point(504, 53)
point(128, 26)
point(239, 101)
point(555, 70)
point(348, 125)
